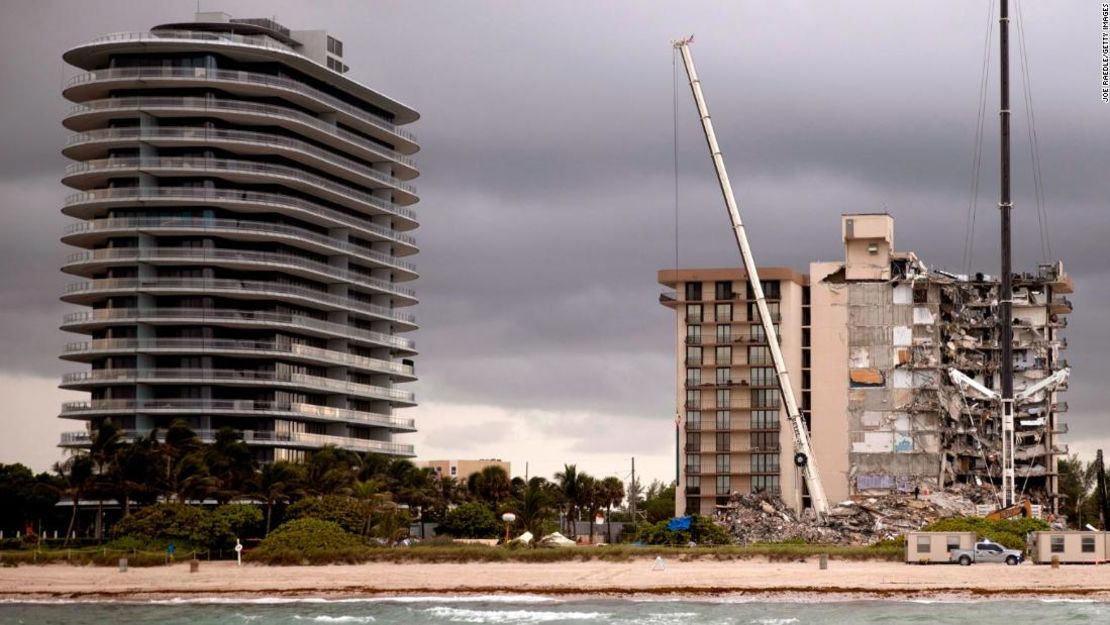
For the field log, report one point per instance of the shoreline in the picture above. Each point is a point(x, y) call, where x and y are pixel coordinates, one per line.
point(748, 581)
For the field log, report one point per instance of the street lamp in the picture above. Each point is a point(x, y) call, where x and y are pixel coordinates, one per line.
point(508, 518)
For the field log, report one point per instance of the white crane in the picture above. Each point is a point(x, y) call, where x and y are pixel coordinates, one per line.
point(803, 453)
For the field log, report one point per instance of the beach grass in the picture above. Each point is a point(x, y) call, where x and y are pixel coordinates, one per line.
point(446, 552)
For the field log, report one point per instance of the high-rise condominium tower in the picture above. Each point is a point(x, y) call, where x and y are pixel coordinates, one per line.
point(243, 234)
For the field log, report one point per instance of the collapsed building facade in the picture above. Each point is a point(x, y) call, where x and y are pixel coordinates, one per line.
point(877, 335)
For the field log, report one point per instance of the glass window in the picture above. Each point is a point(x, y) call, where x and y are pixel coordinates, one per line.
point(693, 376)
point(765, 420)
point(724, 440)
point(693, 353)
point(1088, 544)
point(693, 441)
point(723, 464)
point(693, 313)
point(693, 290)
point(693, 398)
point(724, 354)
point(765, 463)
point(724, 397)
point(765, 398)
point(759, 355)
point(772, 307)
point(764, 376)
point(692, 505)
point(724, 420)
point(760, 336)
point(1057, 544)
point(724, 333)
point(724, 290)
point(924, 544)
point(765, 441)
point(693, 334)
point(693, 420)
point(765, 483)
point(724, 484)
point(952, 542)
point(693, 463)
point(723, 375)
point(724, 312)
point(693, 484)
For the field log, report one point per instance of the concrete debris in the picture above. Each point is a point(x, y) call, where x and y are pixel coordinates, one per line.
point(764, 518)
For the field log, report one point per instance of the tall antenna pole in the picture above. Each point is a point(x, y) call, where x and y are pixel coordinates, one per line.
point(1006, 298)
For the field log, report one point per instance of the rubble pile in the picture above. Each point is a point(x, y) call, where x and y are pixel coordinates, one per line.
point(763, 518)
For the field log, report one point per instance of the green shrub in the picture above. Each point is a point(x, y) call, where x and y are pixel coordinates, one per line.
point(187, 526)
point(347, 512)
point(241, 520)
point(470, 520)
point(309, 541)
point(703, 531)
point(167, 521)
point(1009, 533)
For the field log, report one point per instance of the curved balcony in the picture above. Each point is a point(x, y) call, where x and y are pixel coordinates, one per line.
point(232, 407)
point(97, 173)
point(299, 440)
point(88, 116)
point(89, 262)
point(85, 321)
point(82, 232)
point(100, 83)
point(88, 292)
point(234, 377)
point(88, 350)
point(86, 203)
point(95, 143)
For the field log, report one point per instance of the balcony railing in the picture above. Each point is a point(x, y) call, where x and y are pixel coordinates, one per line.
point(260, 437)
point(215, 255)
point(252, 197)
point(237, 166)
point(216, 376)
point(248, 316)
point(233, 345)
point(195, 135)
point(238, 106)
point(235, 226)
point(236, 286)
point(83, 408)
point(240, 77)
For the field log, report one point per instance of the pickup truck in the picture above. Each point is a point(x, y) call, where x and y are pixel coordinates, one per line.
point(986, 551)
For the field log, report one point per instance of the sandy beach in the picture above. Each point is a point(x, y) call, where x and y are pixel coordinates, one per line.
point(880, 580)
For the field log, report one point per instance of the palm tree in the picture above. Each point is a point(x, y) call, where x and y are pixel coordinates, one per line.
point(278, 483)
point(230, 463)
point(331, 471)
point(490, 485)
point(369, 493)
point(591, 499)
point(570, 485)
point(534, 506)
point(134, 473)
point(612, 493)
point(105, 445)
point(77, 476)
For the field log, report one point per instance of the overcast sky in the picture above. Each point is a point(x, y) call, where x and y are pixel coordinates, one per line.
point(548, 189)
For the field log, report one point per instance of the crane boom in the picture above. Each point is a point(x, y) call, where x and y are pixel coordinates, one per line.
point(804, 459)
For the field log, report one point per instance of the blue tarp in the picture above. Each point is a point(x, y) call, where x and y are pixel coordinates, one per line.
point(678, 524)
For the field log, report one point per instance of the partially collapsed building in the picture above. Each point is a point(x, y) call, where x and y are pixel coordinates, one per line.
point(869, 342)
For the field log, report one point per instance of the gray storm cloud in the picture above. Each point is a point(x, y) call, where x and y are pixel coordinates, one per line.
point(547, 185)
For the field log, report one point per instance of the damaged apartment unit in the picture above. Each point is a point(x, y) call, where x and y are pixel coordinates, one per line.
point(872, 339)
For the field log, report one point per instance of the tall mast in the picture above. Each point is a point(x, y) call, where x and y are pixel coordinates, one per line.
point(1005, 303)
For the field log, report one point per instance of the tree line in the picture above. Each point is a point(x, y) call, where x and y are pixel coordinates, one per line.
point(175, 466)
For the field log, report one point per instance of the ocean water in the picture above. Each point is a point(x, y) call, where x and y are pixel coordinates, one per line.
point(529, 609)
